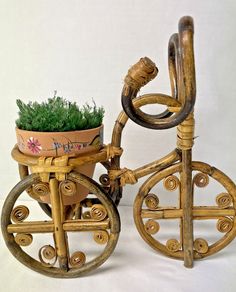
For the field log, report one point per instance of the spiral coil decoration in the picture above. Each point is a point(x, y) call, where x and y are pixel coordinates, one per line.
point(23, 239)
point(152, 201)
point(78, 259)
point(47, 252)
point(173, 245)
point(171, 183)
point(86, 215)
point(224, 200)
point(101, 237)
point(224, 225)
point(41, 189)
point(201, 245)
point(152, 227)
point(19, 213)
point(104, 180)
point(98, 212)
point(201, 180)
point(68, 188)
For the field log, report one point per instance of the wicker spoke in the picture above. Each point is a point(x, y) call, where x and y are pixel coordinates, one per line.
point(199, 213)
point(48, 226)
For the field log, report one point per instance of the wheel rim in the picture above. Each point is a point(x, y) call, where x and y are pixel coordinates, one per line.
point(23, 257)
point(173, 248)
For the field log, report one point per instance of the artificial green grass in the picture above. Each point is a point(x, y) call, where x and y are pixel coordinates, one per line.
point(58, 115)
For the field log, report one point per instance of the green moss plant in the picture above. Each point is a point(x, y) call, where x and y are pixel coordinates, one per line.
point(58, 115)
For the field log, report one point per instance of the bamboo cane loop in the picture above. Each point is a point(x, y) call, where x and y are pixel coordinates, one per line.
point(23, 239)
point(68, 188)
point(201, 245)
point(78, 259)
point(86, 215)
point(224, 225)
point(171, 183)
point(201, 180)
point(19, 213)
point(98, 212)
point(173, 245)
point(47, 252)
point(224, 200)
point(101, 236)
point(41, 189)
point(152, 227)
point(104, 180)
point(152, 201)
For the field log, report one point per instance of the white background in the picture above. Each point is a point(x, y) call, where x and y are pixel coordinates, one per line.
point(83, 50)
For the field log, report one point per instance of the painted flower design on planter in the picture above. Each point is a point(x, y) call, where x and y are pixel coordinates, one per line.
point(69, 146)
point(79, 146)
point(34, 145)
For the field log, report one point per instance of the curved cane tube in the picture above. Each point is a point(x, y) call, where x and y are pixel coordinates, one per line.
point(182, 75)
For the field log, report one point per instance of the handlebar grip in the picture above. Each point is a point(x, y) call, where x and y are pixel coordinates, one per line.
point(141, 73)
point(182, 72)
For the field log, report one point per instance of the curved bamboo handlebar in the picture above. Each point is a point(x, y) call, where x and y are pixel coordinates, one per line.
point(182, 75)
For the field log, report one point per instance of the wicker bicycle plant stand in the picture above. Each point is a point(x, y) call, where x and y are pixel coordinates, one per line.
point(97, 213)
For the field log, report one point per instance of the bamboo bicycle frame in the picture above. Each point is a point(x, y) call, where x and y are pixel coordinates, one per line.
point(179, 113)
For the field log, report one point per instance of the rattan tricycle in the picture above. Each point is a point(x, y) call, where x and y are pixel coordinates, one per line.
point(59, 254)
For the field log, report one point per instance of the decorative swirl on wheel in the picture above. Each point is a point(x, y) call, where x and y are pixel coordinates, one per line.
point(151, 226)
point(77, 259)
point(173, 245)
point(224, 225)
point(224, 200)
point(41, 189)
point(68, 188)
point(171, 182)
point(104, 180)
point(201, 245)
point(201, 180)
point(23, 239)
point(98, 212)
point(19, 213)
point(86, 215)
point(152, 201)
point(47, 252)
point(101, 236)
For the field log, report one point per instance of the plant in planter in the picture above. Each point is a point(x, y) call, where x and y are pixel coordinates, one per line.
point(58, 127)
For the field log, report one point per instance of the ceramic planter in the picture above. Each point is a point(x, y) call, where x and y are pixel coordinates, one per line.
point(59, 143)
point(53, 144)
